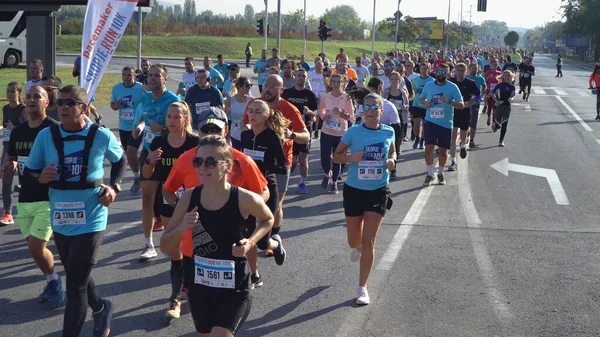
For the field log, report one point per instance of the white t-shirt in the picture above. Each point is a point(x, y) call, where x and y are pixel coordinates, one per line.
point(315, 79)
point(362, 72)
point(189, 80)
point(413, 76)
point(366, 62)
point(386, 81)
point(319, 90)
point(30, 84)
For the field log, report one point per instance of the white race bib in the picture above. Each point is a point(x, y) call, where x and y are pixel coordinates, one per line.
point(398, 105)
point(127, 114)
point(370, 170)
point(236, 131)
point(436, 112)
point(22, 161)
point(202, 106)
point(214, 273)
point(254, 154)
point(69, 213)
point(148, 135)
point(334, 124)
point(526, 75)
point(6, 135)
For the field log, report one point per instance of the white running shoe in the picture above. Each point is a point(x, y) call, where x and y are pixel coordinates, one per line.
point(355, 254)
point(147, 254)
point(362, 296)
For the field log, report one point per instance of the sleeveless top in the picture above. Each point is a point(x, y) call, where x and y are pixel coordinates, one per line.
point(213, 237)
point(237, 114)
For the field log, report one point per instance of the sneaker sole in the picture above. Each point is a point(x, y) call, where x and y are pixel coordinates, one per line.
point(280, 260)
point(362, 302)
point(110, 314)
point(144, 259)
point(257, 285)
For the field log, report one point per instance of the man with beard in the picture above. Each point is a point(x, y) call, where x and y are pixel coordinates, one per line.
point(262, 69)
point(202, 96)
point(440, 98)
point(143, 76)
point(33, 207)
point(188, 77)
point(295, 133)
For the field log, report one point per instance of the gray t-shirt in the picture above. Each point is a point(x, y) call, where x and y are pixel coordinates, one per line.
point(288, 82)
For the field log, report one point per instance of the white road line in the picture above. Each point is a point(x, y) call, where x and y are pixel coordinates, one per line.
point(539, 91)
point(559, 91)
point(122, 228)
point(486, 268)
point(598, 140)
point(527, 107)
point(574, 114)
point(583, 94)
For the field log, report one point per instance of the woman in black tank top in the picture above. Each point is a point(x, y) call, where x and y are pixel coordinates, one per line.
point(217, 278)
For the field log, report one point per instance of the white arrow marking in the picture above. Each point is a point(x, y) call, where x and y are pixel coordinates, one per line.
point(574, 114)
point(560, 196)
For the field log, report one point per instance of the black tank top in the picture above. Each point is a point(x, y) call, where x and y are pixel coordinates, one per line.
point(398, 101)
point(215, 233)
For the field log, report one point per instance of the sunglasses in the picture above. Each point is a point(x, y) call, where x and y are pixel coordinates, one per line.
point(209, 162)
point(442, 72)
point(210, 129)
point(373, 107)
point(246, 85)
point(388, 66)
point(68, 102)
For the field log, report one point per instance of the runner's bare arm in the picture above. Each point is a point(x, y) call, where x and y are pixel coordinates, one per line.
point(172, 235)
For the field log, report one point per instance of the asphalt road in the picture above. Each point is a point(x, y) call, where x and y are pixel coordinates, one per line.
point(485, 255)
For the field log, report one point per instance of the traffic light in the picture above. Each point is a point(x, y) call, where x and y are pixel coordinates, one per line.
point(481, 5)
point(260, 27)
point(324, 30)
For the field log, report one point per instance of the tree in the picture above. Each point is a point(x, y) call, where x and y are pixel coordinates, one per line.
point(582, 18)
point(189, 11)
point(345, 19)
point(498, 28)
point(511, 38)
point(249, 14)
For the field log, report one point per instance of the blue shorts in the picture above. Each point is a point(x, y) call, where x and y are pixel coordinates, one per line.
point(437, 135)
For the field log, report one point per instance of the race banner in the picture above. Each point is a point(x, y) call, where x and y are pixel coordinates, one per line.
point(104, 25)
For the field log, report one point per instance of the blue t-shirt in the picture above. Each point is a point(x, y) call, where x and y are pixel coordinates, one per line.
point(479, 80)
point(153, 112)
point(214, 75)
point(201, 99)
point(262, 76)
point(440, 113)
point(222, 69)
point(75, 212)
point(130, 98)
point(371, 173)
point(418, 85)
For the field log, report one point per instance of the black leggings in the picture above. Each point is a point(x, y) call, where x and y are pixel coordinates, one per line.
point(7, 184)
point(78, 256)
point(503, 130)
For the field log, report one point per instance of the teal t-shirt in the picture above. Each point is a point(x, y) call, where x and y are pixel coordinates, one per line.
point(418, 85)
point(222, 69)
point(130, 98)
point(262, 76)
point(75, 212)
point(215, 74)
point(480, 82)
point(440, 113)
point(371, 172)
point(153, 112)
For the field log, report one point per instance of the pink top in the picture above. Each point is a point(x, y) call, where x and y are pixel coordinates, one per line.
point(333, 123)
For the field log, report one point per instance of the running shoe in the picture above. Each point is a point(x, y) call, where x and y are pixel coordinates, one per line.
point(489, 120)
point(472, 144)
point(416, 143)
point(362, 296)
point(280, 253)
point(463, 152)
point(501, 144)
point(453, 166)
point(269, 252)
point(494, 127)
point(135, 188)
point(158, 225)
point(302, 188)
point(147, 254)
point(422, 144)
point(102, 320)
point(524, 96)
point(256, 281)
point(355, 254)
point(17, 188)
point(325, 181)
point(334, 188)
point(441, 179)
point(405, 139)
point(7, 219)
point(316, 134)
point(173, 309)
point(53, 293)
point(393, 174)
point(428, 181)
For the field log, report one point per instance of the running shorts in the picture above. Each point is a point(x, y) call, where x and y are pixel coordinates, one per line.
point(126, 138)
point(417, 112)
point(462, 119)
point(357, 201)
point(33, 219)
point(437, 135)
point(474, 115)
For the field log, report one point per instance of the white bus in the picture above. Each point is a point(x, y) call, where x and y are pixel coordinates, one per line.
point(12, 38)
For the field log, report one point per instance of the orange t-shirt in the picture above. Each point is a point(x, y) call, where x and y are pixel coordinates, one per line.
point(245, 174)
point(350, 73)
point(290, 112)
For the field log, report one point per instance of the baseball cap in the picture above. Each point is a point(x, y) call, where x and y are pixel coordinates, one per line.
point(233, 66)
point(212, 115)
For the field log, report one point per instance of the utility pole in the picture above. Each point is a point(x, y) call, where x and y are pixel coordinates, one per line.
point(448, 25)
point(266, 25)
point(397, 26)
point(373, 32)
point(279, 25)
point(139, 46)
point(461, 24)
point(305, 29)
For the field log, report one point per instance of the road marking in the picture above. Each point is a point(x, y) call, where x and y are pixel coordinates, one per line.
point(484, 263)
point(122, 229)
point(583, 94)
point(560, 196)
point(559, 91)
point(539, 91)
point(574, 114)
point(598, 140)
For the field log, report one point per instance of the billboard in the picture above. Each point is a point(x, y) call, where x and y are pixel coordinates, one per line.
point(576, 40)
point(430, 30)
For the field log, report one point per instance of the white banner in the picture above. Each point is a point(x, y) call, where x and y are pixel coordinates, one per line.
point(104, 25)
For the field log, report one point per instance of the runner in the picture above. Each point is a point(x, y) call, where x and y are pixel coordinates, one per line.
point(417, 110)
point(366, 192)
point(462, 117)
point(13, 115)
point(165, 150)
point(71, 158)
point(319, 93)
point(315, 77)
point(398, 95)
point(183, 174)
point(203, 95)
point(491, 78)
point(503, 94)
point(150, 117)
point(51, 84)
point(235, 107)
point(480, 81)
point(126, 96)
point(288, 68)
point(527, 71)
point(33, 208)
point(595, 84)
point(36, 72)
point(440, 98)
point(303, 63)
point(188, 77)
point(275, 60)
point(216, 212)
point(261, 68)
point(142, 77)
point(222, 67)
point(306, 102)
point(214, 76)
point(362, 72)
point(234, 74)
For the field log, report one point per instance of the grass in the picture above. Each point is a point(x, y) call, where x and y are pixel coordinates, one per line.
point(103, 91)
point(576, 58)
point(230, 47)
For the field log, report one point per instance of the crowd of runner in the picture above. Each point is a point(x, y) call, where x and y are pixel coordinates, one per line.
point(213, 163)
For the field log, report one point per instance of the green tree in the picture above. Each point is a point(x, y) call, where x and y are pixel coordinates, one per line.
point(511, 38)
point(249, 14)
point(498, 28)
point(582, 18)
point(345, 19)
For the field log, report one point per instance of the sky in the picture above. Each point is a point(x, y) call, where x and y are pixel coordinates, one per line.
point(522, 13)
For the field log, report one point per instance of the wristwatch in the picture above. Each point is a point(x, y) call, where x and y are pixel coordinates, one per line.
point(116, 187)
point(293, 135)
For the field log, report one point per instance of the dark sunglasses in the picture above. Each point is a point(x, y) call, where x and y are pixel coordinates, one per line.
point(442, 72)
point(68, 102)
point(209, 162)
point(210, 129)
point(247, 85)
point(373, 107)
point(389, 66)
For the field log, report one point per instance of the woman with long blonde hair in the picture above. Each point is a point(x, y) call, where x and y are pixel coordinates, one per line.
point(235, 106)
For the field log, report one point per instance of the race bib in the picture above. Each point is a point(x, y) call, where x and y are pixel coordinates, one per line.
point(214, 273)
point(526, 75)
point(6, 135)
point(398, 105)
point(22, 161)
point(436, 112)
point(254, 154)
point(263, 76)
point(149, 135)
point(334, 124)
point(202, 106)
point(370, 170)
point(69, 213)
point(127, 114)
point(236, 131)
